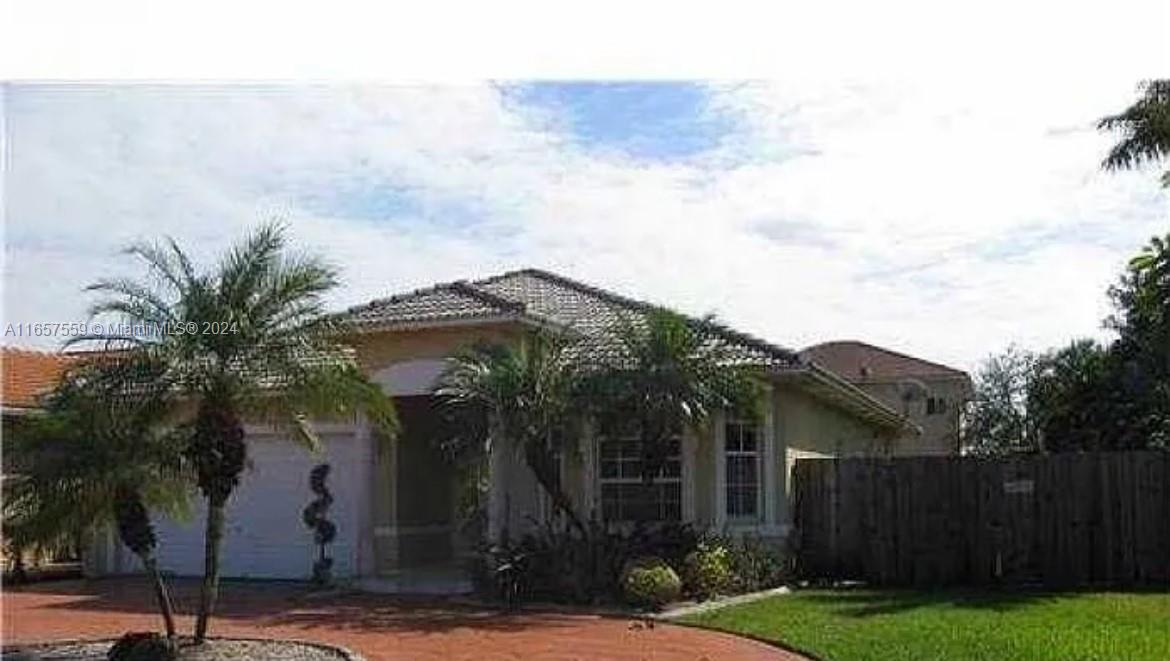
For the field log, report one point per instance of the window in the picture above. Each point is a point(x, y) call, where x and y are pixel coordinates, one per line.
point(741, 447)
point(625, 497)
point(935, 405)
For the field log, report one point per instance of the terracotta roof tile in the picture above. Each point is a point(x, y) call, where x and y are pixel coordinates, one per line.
point(861, 362)
point(30, 374)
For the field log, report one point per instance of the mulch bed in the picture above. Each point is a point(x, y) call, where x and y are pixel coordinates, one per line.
point(216, 649)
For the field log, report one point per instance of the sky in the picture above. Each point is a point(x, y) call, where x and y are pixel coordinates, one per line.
point(947, 218)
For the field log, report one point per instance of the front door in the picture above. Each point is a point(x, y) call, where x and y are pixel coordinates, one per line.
point(425, 487)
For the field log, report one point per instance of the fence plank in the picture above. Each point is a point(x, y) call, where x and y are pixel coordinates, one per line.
point(1067, 519)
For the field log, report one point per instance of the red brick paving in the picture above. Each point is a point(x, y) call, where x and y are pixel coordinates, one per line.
point(376, 626)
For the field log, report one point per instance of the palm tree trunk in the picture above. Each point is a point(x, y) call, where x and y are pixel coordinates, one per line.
point(208, 591)
point(160, 594)
point(546, 475)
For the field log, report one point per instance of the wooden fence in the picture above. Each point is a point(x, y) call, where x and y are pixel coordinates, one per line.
point(1068, 519)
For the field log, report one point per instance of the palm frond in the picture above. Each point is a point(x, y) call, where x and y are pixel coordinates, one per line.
point(1144, 128)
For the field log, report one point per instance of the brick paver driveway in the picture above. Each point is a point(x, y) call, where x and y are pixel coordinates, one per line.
point(377, 626)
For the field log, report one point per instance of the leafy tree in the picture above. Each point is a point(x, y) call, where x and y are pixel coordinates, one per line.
point(670, 374)
point(99, 454)
point(1070, 398)
point(1087, 396)
point(1144, 128)
point(522, 398)
point(248, 338)
point(1142, 350)
point(998, 420)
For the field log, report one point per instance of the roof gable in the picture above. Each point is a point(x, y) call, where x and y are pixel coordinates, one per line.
point(858, 361)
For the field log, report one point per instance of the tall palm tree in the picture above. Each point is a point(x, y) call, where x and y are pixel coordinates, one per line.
point(671, 373)
point(98, 454)
point(519, 397)
point(248, 338)
point(1144, 128)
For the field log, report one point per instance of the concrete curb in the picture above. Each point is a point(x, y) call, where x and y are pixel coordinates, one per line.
point(16, 648)
point(716, 604)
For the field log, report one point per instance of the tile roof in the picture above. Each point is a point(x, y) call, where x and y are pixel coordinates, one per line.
point(860, 362)
point(443, 302)
point(30, 374)
point(545, 299)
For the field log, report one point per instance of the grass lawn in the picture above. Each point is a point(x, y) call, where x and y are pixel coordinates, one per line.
point(854, 625)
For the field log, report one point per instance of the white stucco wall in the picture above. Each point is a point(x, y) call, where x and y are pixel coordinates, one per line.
point(264, 535)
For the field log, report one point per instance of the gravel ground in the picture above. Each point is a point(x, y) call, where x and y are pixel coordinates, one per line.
point(212, 650)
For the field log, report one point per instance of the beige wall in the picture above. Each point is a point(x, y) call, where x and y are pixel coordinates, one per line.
point(800, 426)
point(940, 431)
point(808, 427)
point(380, 350)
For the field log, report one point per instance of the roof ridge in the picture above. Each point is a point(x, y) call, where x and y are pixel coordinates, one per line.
point(55, 354)
point(619, 299)
point(889, 351)
point(453, 285)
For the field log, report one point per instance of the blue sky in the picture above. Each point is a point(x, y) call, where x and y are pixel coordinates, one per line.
point(943, 218)
point(655, 121)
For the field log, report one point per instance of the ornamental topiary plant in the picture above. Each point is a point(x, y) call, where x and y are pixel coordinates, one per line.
point(324, 530)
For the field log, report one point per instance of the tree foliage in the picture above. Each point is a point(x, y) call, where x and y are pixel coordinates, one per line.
point(1087, 396)
point(248, 338)
point(1144, 128)
point(520, 398)
point(670, 374)
point(99, 453)
point(998, 419)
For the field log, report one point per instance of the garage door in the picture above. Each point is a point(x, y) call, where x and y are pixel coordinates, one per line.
point(264, 536)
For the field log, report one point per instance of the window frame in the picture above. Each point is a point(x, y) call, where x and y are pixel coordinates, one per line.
point(660, 481)
point(758, 455)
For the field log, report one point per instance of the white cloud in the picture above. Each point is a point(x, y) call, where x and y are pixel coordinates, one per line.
point(942, 219)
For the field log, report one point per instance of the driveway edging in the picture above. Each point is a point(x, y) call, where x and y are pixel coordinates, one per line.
point(716, 604)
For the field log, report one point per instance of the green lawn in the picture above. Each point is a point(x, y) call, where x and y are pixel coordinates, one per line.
point(855, 625)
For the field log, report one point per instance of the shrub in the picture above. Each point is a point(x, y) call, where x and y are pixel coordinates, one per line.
point(564, 565)
point(142, 646)
point(754, 564)
point(650, 582)
point(707, 571)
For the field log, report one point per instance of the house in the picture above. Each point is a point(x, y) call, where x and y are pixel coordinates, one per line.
point(27, 376)
point(397, 507)
point(930, 395)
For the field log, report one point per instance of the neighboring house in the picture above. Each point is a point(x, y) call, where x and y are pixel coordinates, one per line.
point(27, 376)
point(397, 508)
point(931, 395)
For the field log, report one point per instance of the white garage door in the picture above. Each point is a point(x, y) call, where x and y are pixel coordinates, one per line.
point(264, 535)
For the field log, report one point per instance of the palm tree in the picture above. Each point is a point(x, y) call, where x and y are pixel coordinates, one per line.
point(1145, 130)
point(671, 373)
point(97, 455)
point(248, 338)
point(522, 395)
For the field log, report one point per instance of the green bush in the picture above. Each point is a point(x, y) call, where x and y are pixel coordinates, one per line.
point(707, 571)
point(650, 582)
point(752, 564)
point(757, 565)
point(562, 565)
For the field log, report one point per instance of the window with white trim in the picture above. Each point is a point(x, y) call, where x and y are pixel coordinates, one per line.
point(741, 448)
point(625, 496)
